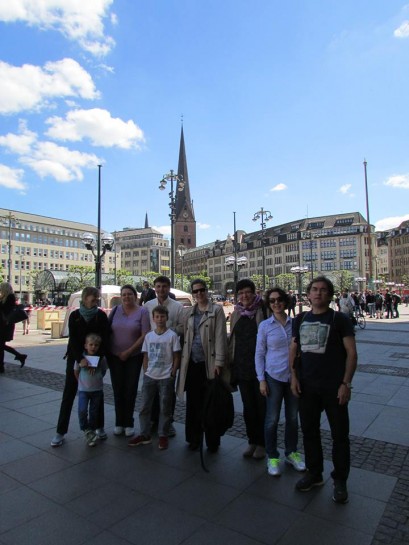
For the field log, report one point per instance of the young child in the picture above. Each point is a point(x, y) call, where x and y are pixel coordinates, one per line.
point(161, 361)
point(90, 387)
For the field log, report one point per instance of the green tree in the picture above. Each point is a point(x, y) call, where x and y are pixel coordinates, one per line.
point(258, 281)
point(2, 275)
point(202, 276)
point(123, 277)
point(286, 281)
point(79, 277)
point(341, 279)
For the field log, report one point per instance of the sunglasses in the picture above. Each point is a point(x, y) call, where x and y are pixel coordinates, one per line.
point(199, 290)
point(276, 300)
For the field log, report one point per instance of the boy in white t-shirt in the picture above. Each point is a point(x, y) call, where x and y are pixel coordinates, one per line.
point(161, 360)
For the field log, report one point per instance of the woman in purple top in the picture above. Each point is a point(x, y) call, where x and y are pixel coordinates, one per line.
point(129, 323)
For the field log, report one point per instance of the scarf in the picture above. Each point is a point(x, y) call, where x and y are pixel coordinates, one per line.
point(88, 313)
point(250, 311)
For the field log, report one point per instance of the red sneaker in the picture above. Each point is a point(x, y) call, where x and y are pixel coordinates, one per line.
point(163, 443)
point(139, 440)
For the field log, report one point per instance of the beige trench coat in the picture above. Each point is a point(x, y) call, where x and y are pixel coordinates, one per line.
point(213, 335)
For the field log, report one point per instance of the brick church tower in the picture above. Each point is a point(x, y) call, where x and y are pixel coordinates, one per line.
point(185, 223)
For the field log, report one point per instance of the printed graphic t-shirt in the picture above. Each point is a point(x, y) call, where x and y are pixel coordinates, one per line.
point(323, 354)
point(160, 349)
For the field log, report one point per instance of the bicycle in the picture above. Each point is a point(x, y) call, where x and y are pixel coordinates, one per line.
point(359, 318)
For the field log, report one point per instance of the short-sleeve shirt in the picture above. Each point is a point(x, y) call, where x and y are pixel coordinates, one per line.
point(323, 355)
point(160, 349)
point(126, 329)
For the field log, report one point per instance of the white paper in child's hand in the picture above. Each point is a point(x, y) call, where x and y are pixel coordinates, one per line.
point(92, 360)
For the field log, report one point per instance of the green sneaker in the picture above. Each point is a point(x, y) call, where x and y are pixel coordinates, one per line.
point(273, 467)
point(296, 461)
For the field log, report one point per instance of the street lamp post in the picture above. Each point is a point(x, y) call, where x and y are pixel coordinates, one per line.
point(98, 251)
point(264, 215)
point(360, 279)
point(180, 184)
point(299, 271)
point(181, 251)
point(103, 243)
point(8, 221)
point(236, 263)
point(21, 264)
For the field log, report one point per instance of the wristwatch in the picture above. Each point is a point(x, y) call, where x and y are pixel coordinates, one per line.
point(348, 385)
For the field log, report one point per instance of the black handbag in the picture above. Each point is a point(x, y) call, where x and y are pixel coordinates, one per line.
point(18, 314)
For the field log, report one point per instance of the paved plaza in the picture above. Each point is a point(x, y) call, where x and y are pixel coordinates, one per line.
point(114, 495)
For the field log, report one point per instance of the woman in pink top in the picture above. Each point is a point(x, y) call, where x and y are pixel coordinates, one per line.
point(130, 323)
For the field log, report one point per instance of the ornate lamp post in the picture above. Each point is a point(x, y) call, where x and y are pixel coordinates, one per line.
point(299, 271)
point(98, 247)
point(180, 184)
point(9, 221)
point(264, 216)
point(182, 251)
point(360, 280)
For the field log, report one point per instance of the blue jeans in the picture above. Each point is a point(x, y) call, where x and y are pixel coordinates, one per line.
point(277, 391)
point(89, 404)
point(166, 389)
point(371, 310)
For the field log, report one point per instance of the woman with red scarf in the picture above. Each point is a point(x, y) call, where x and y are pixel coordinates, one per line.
point(244, 322)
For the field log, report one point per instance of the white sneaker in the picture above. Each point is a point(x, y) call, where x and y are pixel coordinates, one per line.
point(129, 432)
point(296, 461)
point(102, 434)
point(57, 440)
point(273, 467)
point(118, 430)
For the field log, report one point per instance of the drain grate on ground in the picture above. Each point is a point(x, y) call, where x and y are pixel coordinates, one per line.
point(400, 355)
point(384, 370)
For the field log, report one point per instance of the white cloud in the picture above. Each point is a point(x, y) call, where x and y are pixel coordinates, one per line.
point(398, 180)
point(19, 143)
point(12, 178)
point(31, 87)
point(165, 229)
point(344, 189)
point(98, 126)
point(390, 223)
point(203, 226)
point(78, 20)
point(62, 164)
point(402, 31)
point(279, 187)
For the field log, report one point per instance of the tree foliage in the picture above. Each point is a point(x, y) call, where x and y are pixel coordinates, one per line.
point(79, 277)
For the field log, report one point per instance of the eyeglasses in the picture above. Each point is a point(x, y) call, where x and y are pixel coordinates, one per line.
point(199, 290)
point(276, 300)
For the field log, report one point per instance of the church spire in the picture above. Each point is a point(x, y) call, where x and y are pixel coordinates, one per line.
point(146, 221)
point(185, 223)
point(183, 201)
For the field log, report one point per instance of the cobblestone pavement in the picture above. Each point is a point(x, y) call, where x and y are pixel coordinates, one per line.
point(369, 454)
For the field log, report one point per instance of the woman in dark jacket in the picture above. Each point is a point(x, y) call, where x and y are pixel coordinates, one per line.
point(87, 319)
point(7, 304)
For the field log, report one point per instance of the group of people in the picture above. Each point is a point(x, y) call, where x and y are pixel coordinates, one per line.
point(374, 304)
point(307, 362)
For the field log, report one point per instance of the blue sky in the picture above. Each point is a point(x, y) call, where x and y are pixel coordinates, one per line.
point(281, 103)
